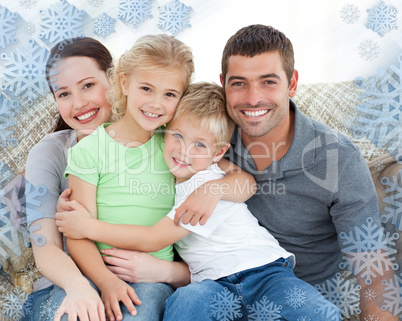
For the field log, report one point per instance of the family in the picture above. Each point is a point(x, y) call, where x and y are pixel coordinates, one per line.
point(109, 251)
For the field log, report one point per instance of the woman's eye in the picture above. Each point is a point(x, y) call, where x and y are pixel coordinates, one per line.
point(62, 95)
point(89, 85)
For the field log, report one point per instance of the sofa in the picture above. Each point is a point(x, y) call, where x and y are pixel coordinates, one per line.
point(339, 105)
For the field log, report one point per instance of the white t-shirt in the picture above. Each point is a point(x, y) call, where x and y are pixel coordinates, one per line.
point(231, 241)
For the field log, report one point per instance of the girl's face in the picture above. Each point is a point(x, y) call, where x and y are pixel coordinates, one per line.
point(152, 97)
point(80, 93)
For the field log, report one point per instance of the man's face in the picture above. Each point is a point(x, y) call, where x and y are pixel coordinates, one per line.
point(257, 92)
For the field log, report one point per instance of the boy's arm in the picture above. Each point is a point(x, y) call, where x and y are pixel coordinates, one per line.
point(87, 257)
point(80, 224)
point(237, 186)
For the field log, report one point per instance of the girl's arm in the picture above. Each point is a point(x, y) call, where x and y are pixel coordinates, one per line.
point(87, 257)
point(236, 186)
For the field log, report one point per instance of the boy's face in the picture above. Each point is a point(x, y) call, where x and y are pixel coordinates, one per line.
point(189, 150)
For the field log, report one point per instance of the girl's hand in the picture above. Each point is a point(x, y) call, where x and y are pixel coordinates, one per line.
point(113, 292)
point(135, 266)
point(199, 205)
point(74, 224)
point(83, 304)
point(63, 201)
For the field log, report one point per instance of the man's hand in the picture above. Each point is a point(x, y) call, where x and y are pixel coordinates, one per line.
point(74, 224)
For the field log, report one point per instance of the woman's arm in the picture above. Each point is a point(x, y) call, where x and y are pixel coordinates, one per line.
point(237, 186)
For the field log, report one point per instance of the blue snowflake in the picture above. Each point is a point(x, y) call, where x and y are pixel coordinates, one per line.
point(368, 251)
point(393, 295)
point(60, 22)
point(350, 13)
point(7, 27)
point(48, 309)
point(28, 4)
point(369, 50)
point(382, 19)
point(174, 17)
point(264, 310)
point(30, 28)
point(225, 306)
point(379, 117)
point(95, 3)
point(295, 297)
point(25, 72)
point(13, 308)
point(393, 211)
point(104, 25)
point(343, 294)
point(135, 11)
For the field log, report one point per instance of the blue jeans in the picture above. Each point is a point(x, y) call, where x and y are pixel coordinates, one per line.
point(269, 292)
point(44, 303)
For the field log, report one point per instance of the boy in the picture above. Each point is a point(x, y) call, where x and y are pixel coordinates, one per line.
point(231, 252)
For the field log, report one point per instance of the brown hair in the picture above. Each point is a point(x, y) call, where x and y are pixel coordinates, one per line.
point(151, 52)
point(257, 39)
point(204, 106)
point(83, 47)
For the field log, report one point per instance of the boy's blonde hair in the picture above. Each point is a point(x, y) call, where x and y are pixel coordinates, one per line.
point(149, 53)
point(204, 106)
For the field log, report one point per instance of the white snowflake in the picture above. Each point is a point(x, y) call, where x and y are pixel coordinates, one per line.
point(104, 25)
point(303, 319)
point(368, 251)
point(379, 116)
point(264, 310)
point(379, 165)
point(28, 4)
point(382, 19)
point(13, 304)
point(7, 27)
point(350, 13)
point(174, 17)
point(30, 28)
point(60, 22)
point(342, 293)
point(369, 50)
point(95, 3)
point(295, 297)
point(31, 273)
point(6, 122)
point(370, 294)
point(371, 317)
point(135, 11)
point(393, 209)
point(48, 309)
point(225, 306)
point(25, 71)
point(393, 295)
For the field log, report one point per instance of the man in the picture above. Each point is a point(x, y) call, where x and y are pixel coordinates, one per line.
point(313, 183)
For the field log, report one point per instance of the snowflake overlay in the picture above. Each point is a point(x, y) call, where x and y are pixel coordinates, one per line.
point(135, 11)
point(343, 294)
point(393, 295)
point(30, 28)
point(295, 297)
point(95, 3)
point(369, 50)
point(379, 117)
point(7, 111)
point(25, 72)
point(382, 19)
point(350, 13)
point(371, 317)
point(368, 251)
point(28, 4)
point(60, 22)
point(48, 310)
point(104, 25)
point(303, 319)
point(264, 310)
point(370, 294)
point(174, 17)
point(13, 308)
point(7, 27)
point(393, 211)
point(379, 165)
point(225, 306)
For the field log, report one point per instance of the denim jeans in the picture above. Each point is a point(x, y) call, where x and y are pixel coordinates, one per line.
point(269, 292)
point(43, 304)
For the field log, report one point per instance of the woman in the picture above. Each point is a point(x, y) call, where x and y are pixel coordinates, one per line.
point(77, 78)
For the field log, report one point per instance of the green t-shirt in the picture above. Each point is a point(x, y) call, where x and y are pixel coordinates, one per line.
point(134, 185)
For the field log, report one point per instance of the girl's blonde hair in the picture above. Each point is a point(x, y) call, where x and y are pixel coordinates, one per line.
point(149, 53)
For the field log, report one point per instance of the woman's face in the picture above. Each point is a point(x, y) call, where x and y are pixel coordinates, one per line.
point(80, 93)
